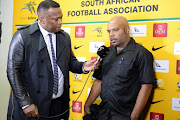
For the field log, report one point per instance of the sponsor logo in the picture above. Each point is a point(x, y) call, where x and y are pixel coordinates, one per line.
point(30, 7)
point(178, 67)
point(161, 66)
point(80, 46)
point(156, 116)
point(93, 78)
point(74, 92)
point(77, 76)
point(160, 30)
point(154, 49)
point(77, 47)
point(177, 48)
point(160, 84)
point(154, 102)
point(178, 85)
point(93, 46)
point(135, 29)
point(77, 107)
point(80, 32)
point(176, 104)
point(138, 30)
point(92, 58)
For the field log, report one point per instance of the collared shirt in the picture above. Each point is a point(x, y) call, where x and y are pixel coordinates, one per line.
point(60, 74)
point(122, 76)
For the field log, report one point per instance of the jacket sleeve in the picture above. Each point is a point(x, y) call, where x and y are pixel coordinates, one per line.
point(76, 66)
point(15, 68)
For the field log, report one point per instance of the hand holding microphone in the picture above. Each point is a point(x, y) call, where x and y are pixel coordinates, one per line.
point(94, 64)
point(102, 52)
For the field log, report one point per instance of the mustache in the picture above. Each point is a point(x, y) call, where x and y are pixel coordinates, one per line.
point(113, 39)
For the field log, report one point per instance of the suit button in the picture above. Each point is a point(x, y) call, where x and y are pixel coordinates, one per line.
point(38, 91)
point(42, 61)
point(40, 75)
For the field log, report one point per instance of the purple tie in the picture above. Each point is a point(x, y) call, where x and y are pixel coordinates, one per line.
point(55, 86)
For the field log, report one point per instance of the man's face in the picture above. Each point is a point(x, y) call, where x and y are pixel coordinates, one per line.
point(52, 19)
point(117, 34)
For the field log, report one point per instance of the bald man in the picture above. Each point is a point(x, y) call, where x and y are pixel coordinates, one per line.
point(39, 61)
point(125, 78)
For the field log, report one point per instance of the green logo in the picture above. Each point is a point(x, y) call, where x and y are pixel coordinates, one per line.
point(98, 30)
point(30, 6)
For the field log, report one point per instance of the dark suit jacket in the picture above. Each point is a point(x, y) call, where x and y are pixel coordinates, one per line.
point(30, 73)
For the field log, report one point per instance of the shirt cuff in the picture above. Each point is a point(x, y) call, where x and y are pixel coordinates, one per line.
point(85, 72)
point(25, 107)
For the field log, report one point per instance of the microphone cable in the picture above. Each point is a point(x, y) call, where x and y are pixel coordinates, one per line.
point(46, 117)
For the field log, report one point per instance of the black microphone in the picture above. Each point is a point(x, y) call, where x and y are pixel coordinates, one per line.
point(102, 52)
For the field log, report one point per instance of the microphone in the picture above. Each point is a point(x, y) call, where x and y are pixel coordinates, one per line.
point(102, 52)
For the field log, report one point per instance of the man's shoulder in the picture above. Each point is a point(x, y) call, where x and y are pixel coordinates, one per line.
point(30, 27)
point(63, 32)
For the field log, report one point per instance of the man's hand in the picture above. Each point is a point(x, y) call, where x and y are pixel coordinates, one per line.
point(91, 65)
point(31, 111)
point(86, 110)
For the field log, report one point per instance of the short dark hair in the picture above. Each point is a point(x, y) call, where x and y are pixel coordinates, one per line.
point(46, 4)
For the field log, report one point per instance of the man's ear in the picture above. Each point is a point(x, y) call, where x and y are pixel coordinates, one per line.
point(127, 29)
point(41, 19)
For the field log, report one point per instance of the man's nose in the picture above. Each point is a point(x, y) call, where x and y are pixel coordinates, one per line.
point(60, 21)
point(111, 33)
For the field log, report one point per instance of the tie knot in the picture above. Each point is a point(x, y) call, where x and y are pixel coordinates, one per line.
point(50, 35)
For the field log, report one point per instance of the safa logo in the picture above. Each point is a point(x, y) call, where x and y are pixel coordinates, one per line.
point(99, 30)
point(30, 6)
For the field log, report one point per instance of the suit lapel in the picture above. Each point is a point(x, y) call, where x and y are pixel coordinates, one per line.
point(43, 52)
point(60, 45)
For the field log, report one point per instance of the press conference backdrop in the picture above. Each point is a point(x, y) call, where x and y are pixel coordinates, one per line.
point(155, 24)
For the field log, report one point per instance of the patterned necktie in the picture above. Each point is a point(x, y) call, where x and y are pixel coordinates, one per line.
point(55, 86)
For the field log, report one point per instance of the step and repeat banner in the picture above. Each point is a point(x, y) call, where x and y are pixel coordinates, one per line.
point(155, 24)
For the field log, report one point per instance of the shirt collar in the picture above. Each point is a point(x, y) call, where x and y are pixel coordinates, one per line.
point(129, 46)
point(43, 31)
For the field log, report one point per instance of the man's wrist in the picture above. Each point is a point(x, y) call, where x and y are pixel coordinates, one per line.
point(85, 72)
point(25, 107)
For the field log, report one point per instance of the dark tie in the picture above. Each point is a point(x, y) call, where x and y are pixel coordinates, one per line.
point(55, 86)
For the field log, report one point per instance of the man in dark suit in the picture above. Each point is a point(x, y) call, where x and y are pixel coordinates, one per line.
point(39, 61)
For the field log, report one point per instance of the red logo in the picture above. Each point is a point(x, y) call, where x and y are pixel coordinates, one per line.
point(80, 32)
point(92, 58)
point(156, 116)
point(160, 30)
point(111, 44)
point(77, 107)
point(178, 67)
